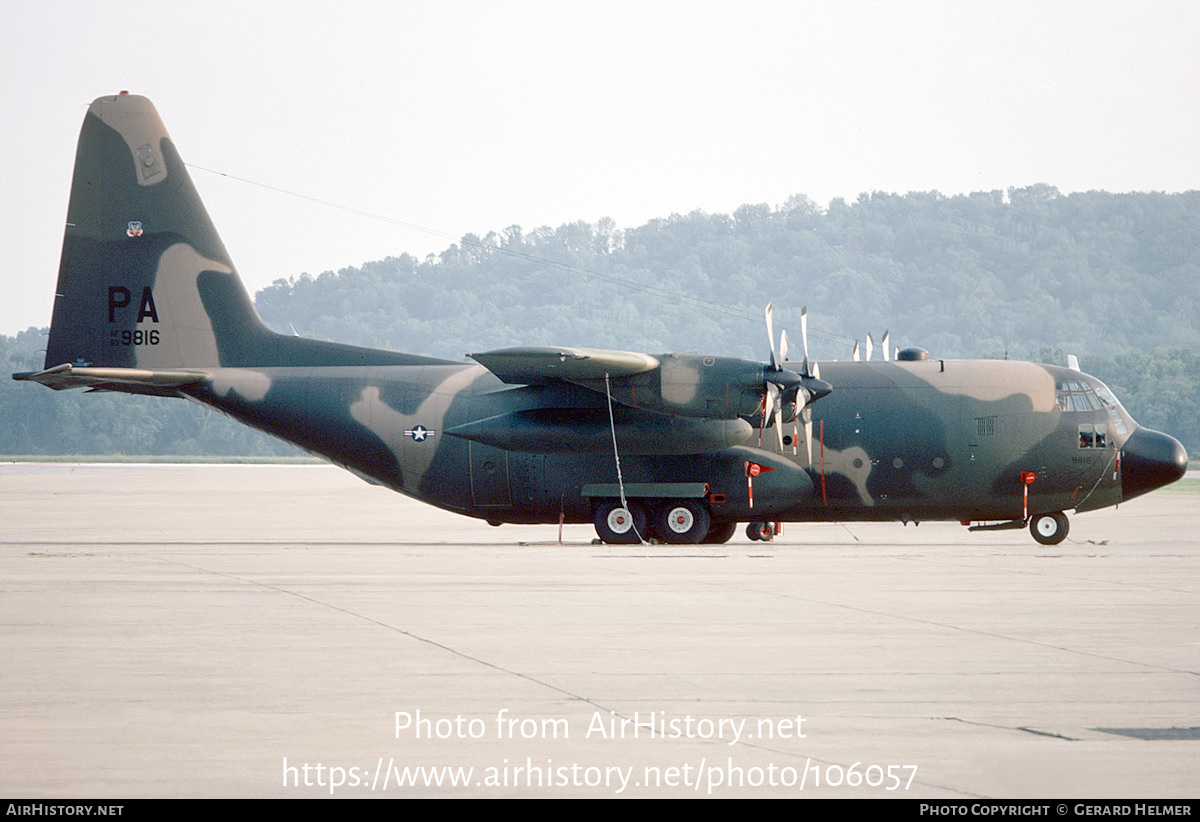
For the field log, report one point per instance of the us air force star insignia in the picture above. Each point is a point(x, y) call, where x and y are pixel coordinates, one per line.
point(419, 433)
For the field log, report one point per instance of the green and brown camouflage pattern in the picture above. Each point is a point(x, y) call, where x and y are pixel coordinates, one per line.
point(149, 302)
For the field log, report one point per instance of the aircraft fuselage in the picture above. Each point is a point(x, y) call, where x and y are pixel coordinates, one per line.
point(922, 440)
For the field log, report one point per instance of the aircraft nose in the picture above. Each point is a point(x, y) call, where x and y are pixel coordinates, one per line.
point(1150, 459)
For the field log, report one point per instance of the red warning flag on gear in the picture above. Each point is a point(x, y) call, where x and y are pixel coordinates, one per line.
point(753, 469)
point(1027, 478)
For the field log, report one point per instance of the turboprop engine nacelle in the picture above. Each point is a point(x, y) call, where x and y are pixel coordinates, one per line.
point(692, 385)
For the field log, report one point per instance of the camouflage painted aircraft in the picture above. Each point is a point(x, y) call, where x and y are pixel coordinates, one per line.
point(677, 447)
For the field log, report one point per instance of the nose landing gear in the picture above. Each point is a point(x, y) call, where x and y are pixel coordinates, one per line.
point(760, 531)
point(1049, 529)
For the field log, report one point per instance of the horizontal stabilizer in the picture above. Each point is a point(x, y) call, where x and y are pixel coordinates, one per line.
point(114, 379)
point(536, 365)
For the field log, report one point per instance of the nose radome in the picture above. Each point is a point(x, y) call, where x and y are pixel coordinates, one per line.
point(1150, 459)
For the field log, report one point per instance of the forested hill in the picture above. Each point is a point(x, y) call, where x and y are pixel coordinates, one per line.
point(1114, 278)
point(975, 275)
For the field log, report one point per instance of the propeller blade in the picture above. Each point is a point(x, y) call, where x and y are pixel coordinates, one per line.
point(762, 422)
point(856, 357)
point(769, 313)
point(870, 347)
point(771, 407)
point(783, 347)
point(762, 415)
point(804, 336)
point(779, 423)
point(807, 414)
point(887, 337)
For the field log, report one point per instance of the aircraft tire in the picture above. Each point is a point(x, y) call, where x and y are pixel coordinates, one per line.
point(719, 533)
point(1050, 529)
point(682, 522)
point(620, 526)
point(760, 531)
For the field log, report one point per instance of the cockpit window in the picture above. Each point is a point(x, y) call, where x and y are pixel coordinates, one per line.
point(1093, 436)
point(1075, 395)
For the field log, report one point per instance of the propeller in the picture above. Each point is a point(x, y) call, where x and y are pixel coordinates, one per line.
point(782, 386)
point(886, 345)
point(777, 381)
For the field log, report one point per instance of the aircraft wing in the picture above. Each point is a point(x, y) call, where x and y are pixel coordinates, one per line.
point(681, 385)
point(537, 365)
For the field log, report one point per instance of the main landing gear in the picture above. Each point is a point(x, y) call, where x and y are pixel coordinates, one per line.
point(674, 521)
point(621, 525)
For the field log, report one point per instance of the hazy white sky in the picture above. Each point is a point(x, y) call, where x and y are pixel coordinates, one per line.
point(473, 116)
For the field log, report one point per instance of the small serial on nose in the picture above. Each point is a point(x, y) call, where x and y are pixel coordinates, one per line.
point(1150, 459)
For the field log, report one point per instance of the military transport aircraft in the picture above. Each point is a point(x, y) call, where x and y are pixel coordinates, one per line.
point(673, 446)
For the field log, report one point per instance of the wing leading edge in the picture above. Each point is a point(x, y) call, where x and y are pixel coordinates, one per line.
point(537, 365)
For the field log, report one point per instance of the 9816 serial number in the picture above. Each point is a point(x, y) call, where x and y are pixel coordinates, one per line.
point(134, 337)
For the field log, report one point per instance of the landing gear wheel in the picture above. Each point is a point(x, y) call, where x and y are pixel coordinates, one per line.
point(682, 522)
point(1049, 529)
point(620, 526)
point(719, 533)
point(760, 531)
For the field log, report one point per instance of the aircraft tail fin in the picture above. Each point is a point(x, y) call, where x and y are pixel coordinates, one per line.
point(145, 282)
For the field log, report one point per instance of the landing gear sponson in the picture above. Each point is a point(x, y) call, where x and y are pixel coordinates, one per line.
point(675, 513)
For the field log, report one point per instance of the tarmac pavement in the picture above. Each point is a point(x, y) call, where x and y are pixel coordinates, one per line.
point(216, 631)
